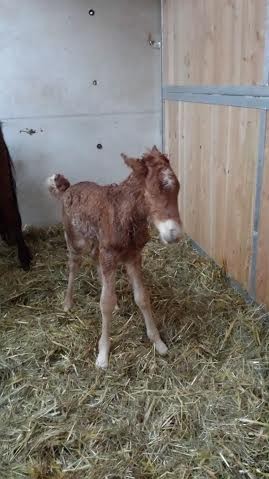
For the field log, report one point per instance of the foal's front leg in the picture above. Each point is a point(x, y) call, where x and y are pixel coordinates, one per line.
point(141, 296)
point(99, 274)
point(108, 302)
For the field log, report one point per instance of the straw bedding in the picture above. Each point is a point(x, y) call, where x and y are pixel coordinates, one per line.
point(201, 412)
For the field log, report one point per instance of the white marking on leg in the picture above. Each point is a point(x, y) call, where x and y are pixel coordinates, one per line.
point(108, 302)
point(161, 347)
point(102, 358)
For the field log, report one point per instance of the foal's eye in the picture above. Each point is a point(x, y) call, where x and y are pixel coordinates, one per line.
point(168, 179)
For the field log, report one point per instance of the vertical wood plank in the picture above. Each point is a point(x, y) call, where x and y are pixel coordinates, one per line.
point(215, 148)
point(214, 41)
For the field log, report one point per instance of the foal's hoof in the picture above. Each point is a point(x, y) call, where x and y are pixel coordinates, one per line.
point(101, 361)
point(161, 347)
point(67, 306)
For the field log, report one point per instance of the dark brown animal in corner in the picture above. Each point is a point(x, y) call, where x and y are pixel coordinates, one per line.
point(10, 219)
point(111, 223)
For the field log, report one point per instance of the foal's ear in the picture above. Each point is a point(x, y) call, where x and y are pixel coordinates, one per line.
point(155, 149)
point(138, 166)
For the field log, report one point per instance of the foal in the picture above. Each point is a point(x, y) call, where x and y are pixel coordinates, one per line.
point(111, 222)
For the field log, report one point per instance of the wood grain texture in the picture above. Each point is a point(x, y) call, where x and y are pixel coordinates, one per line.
point(214, 152)
point(213, 42)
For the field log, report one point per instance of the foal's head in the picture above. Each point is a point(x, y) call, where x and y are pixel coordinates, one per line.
point(161, 192)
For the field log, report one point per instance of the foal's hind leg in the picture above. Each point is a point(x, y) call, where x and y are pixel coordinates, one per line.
point(74, 265)
point(141, 296)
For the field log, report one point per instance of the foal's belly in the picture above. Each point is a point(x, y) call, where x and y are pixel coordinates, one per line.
point(88, 246)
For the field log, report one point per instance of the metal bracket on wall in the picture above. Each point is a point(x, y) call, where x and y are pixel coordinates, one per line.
point(153, 43)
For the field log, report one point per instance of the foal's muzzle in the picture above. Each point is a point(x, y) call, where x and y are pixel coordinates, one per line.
point(170, 231)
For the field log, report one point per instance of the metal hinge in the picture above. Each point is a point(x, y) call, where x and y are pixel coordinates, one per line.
point(154, 43)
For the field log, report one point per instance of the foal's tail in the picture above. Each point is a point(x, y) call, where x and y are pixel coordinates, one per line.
point(57, 185)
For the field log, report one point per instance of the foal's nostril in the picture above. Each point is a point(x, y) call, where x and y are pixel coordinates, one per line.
point(175, 233)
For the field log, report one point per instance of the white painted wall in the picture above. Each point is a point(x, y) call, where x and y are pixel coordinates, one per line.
point(51, 52)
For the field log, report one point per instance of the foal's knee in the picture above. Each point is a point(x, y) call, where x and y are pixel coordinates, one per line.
point(108, 303)
point(74, 262)
point(142, 299)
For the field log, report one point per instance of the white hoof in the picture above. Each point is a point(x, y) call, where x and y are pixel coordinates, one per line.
point(161, 348)
point(67, 306)
point(102, 361)
point(116, 308)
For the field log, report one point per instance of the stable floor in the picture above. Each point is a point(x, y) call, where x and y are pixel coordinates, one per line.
point(201, 412)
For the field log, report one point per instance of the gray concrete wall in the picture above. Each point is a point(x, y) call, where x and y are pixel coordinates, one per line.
point(51, 52)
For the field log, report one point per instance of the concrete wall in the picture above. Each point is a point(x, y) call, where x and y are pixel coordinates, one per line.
point(51, 53)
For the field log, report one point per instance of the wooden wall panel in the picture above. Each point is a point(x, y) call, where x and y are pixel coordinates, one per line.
point(214, 151)
point(171, 115)
point(214, 42)
point(262, 283)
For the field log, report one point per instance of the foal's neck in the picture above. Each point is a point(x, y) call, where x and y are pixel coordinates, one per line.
point(133, 189)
